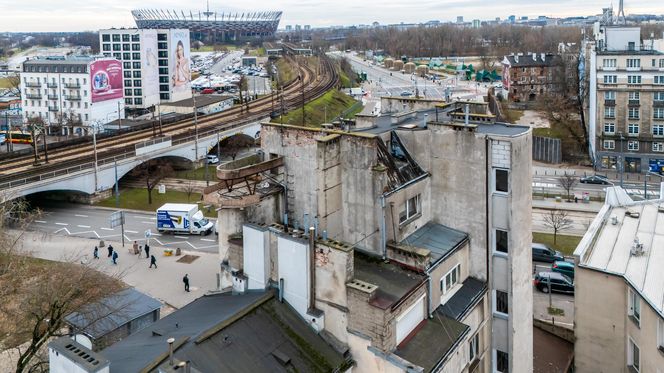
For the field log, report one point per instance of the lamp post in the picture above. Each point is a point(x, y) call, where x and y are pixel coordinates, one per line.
point(193, 97)
point(621, 163)
point(94, 147)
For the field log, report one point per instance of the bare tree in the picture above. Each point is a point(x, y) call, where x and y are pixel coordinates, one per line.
point(152, 172)
point(567, 182)
point(189, 187)
point(234, 144)
point(558, 220)
point(38, 295)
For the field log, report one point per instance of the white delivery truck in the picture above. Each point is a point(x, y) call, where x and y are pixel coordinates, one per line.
point(182, 218)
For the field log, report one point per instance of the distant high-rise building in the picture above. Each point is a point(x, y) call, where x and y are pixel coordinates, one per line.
point(497, 19)
point(298, 27)
point(289, 27)
point(512, 18)
point(524, 18)
point(307, 27)
point(476, 23)
point(459, 19)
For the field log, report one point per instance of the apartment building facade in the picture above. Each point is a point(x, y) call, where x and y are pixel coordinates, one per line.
point(625, 100)
point(432, 227)
point(619, 314)
point(531, 76)
point(72, 95)
point(155, 63)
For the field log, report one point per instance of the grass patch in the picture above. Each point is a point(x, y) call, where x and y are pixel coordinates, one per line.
point(321, 110)
point(8, 82)
point(555, 311)
point(259, 52)
point(215, 48)
point(564, 243)
point(550, 132)
point(137, 199)
point(198, 174)
point(286, 71)
point(511, 115)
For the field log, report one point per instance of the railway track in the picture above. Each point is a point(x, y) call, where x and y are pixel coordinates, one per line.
point(21, 170)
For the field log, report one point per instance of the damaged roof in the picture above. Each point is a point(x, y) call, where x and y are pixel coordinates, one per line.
point(439, 239)
point(458, 306)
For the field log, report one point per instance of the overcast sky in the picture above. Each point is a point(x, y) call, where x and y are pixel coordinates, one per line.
point(77, 15)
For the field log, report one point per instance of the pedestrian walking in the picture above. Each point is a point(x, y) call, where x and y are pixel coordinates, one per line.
point(136, 250)
point(110, 251)
point(115, 257)
point(153, 262)
point(147, 250)
point(185, 279)
point(96, 253)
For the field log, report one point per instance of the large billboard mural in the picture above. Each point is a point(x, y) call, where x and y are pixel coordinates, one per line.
point(180, 57)
point(150, 66)
point(106, 80)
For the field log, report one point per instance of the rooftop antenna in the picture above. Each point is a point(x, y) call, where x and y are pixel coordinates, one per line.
point(621, 12)
point(208, 13)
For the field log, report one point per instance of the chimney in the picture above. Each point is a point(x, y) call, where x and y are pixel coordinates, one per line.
point(170, 350)
point(543, 57)
point(467, 112)
point(534, 56)
point(312, 269)
point(516, 58)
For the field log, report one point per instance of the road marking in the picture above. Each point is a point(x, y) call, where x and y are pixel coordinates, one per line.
point(148, 222)
point(65, 224)
point(40, 221)
point(106, 229)
point(126, 231)
point(81, 216)
point(83, 226)
point(155, 234)
point(182, 237)
point(208, 240)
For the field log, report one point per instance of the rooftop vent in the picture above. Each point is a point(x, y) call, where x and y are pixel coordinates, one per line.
point(637, 248)
point(660, 208)
point(633, 214)
point(614, 220)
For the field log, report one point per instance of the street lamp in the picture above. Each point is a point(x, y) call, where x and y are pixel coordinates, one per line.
point(621, 164)
point(94, 125)
point(193, 97)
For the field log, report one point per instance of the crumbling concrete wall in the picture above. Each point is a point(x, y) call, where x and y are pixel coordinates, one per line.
point(400, 104)
point(330, 188)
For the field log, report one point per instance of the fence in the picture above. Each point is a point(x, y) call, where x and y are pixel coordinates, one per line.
point(547, 149)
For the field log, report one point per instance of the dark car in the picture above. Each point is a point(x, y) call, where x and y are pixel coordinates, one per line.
point(566, 268)
point(595, 179)
point(543, 253)
point(555, 282)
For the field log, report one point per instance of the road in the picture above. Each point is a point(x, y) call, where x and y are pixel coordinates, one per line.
point(219, 68)
point(580, 222)
point(541, 300)
point(91, 222)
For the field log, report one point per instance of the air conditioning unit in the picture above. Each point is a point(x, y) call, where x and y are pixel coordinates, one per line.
point(614, 220)
point(637, 248)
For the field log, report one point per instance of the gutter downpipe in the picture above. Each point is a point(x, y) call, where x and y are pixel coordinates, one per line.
point(383, 233)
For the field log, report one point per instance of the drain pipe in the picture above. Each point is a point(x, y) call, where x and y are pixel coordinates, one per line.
point(467, 111)
point(383, 234)
point(170, 350)
point(312, 270)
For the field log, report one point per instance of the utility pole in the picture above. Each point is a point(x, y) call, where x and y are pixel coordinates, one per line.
point(117, 190)
point(302, 86)
point(119, 119)
point(94, 147)
point(193, 97)
point(44, 141)
point(621, 165)
point(159, 108)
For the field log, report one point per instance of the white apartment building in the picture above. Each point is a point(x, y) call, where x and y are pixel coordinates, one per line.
point(155, 62)
point(71, 94)
point(625, 99)
point(619, 288)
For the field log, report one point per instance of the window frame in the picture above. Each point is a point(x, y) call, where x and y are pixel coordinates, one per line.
point(505, 358)
point(657, 147)
point(633, 145)
point(411, 216)
point(609, 95)
point(633, 113)
point(609, 112)
point(607, 142)
point(610, 79)
point(633, 129)
point(658, 113)
point(455, 279)
point(611, 126)
point(660, 334)
point(505, 302)
point(631, 347)
point(634, 306)
point(506, 179)
point(474, 348)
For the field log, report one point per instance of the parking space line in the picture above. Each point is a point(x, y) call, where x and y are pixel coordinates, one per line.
point(106, 229)
point(127, 231)
point(182, 237)
point(65, 224)
point(80, 216)
point(208, 240)
point(83, 226)
point(40, 221)
point(147, 222)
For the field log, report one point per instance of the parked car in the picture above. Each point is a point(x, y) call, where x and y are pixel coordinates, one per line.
point(555, 282)
point(406, 93)
point(207, 91)
point(595, 179)
point(543, 253)
point(212, 159)
point(566, 268)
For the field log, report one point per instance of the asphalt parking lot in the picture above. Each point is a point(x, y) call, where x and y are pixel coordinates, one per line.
point(562, 304)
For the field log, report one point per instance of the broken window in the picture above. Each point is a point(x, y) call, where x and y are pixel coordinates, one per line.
point(410, 210)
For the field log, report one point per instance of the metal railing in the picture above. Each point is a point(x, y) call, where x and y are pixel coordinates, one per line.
point(72, 85)
point(73, 98)
point(52, 85)
point(33, 84)
point(153, 142)
point(52, 97)
point(53, 108)
point(34, 96)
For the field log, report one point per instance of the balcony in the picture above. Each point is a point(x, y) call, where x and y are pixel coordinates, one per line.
point(73, 85)
point(52, 85)
point(73, 98)
point(53, 108)
point(609, 102)
point(33, 96)
point(658, 103)
point(33, 84)
point(52, 97)
point(633, 103)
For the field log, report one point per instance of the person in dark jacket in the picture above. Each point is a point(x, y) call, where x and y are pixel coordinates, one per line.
point(115, 257)
point(96, 253)
point(153, 262)
point(110, 251)
point(185, 279)
point(147, 250)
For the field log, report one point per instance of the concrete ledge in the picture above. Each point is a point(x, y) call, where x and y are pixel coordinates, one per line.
point(559, 331)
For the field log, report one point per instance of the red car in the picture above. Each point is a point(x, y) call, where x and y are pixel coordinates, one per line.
point(207, 91)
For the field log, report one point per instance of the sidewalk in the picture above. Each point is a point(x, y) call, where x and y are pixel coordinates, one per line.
point(551, 204)
point(163, 283)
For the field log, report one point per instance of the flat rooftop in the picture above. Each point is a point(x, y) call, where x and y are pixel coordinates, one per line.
point(607, 247)
point(201, 101)
point(393, 282)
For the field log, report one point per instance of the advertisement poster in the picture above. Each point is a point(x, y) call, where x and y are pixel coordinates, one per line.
point(106, 80)
point(150, 67)
point(180, 59)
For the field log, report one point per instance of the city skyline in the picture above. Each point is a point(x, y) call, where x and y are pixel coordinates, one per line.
point(81, 15)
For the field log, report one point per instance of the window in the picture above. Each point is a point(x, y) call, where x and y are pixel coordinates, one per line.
point(660, 334)
point(135, 37)
point(502, 361)
point(127, 83)
point(137, 83)
point(116, 37)
point(659, 79)
point(125, 56)
point(126, 47)
point(138, 92)
point(163, 70)
point(474, 348)
point(634, 302)
point(658, 112)
point(162, 54)
point(163, 62)
point(658, 96)
point(609, 62)
point(633, 356)
point(501, 241)
point(661, 62)
point(633, 63)
point(116, 47)
point(128, 101)
point(610, 79)
point(125, 37)
point(633, 79)
point(633, 145)
point(658, 129)
point(127, 74)
point(657, 147)
point(106, 47)
point(609, 112)
point(610, 95)
point(117, 56)
point(106, 37)
point(633, 129)
point(136, 65)
point(410, 209)
point(500, 302)
point(126, 65)
point(138, 101)
point(136, 47)
point(135, 56)
point(633, 113)
point(609, 144)
point(631, 46)
point(127, 92)
point(634, 96)
point(162, 45)
point(450, 279)
point(502, 181)
point(609, 128)
point(137, 74)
